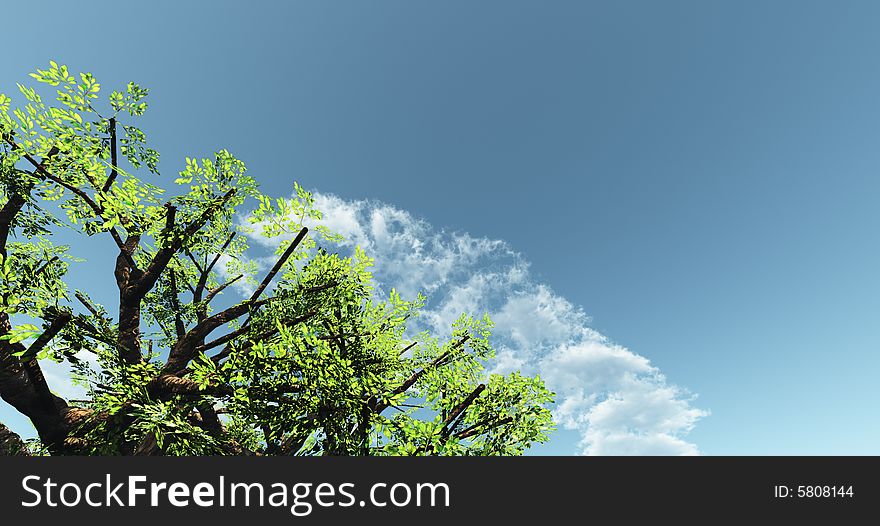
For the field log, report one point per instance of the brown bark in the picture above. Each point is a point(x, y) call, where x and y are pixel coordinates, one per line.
point(174, 242)
point(179, 327)
point(114, 157)
point(20, 387)
point(379, 406)
point(167, 385)
point(246, 345)
point(7, 215)
point(22, 384)
point(482, 427)
point(184, 350)
point(280, 263)
point(11, 443)
point(43, 172)
point(452, 420)
point(129, 341)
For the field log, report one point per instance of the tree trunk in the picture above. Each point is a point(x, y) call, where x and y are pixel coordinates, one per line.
point(11, 443)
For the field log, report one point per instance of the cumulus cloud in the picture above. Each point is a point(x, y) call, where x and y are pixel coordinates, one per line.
point(618, 402)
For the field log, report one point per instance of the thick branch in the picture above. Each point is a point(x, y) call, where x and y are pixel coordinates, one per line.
point(477, 428)
point(7, 216)
point(10, 443)
point(224, 317)
point(238, 332)
point(23, 387)
point(184, 350)
point(167, 385)
point(175, 304)
point(76, 191)
point(43, 339)
point(408, 347)
point(213, 292)
point(280, 263)
point(163, 256)
point(114, 157)
point(29, 359)
point(129, 305)
point(381, 406)
point(126, 269)
point(452, 420)
point(210, 421)
point(223, 339)
point(219, 253)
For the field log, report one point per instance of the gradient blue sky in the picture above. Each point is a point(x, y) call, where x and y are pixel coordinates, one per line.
point(701, 177)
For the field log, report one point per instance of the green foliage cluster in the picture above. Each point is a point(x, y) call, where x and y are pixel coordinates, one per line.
point(313, 363)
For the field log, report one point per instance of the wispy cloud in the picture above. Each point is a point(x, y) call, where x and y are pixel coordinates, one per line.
point(618, 402)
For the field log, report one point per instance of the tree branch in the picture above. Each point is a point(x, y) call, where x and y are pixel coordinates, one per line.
point(22, 386)
point(319, 288)
point(193, 259)
point(44, 266)
point(175, 304)
point(214, 261)
point(10, 443)
point(262, 337)
point(129, 322)
point(167, 384)
point(94, 333)
point(280, 263)
point(86, 303)
point(213, 292)
point(170, 215)
point(408, 347)
point(452, 420)
point(76, 191)
point(223, 339)
point(205, 273)
point(55, 326)
point(7, 215)
point(29, 358)
point(210, 421)
point(381, 406)
point(163, 256)
point(126, 267)
point(276, 268)
point(184, 350)
point(114, 161)
point(475, 429)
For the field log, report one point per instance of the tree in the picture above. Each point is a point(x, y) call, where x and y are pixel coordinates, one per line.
point(310, 363)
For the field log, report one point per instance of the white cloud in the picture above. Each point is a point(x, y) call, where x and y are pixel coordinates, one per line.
point(422, 260)
point(618, 402)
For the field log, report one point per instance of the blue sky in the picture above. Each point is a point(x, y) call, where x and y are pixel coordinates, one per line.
point(692, 186)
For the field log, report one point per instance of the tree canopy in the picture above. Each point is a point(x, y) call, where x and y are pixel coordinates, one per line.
point(311, 362)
